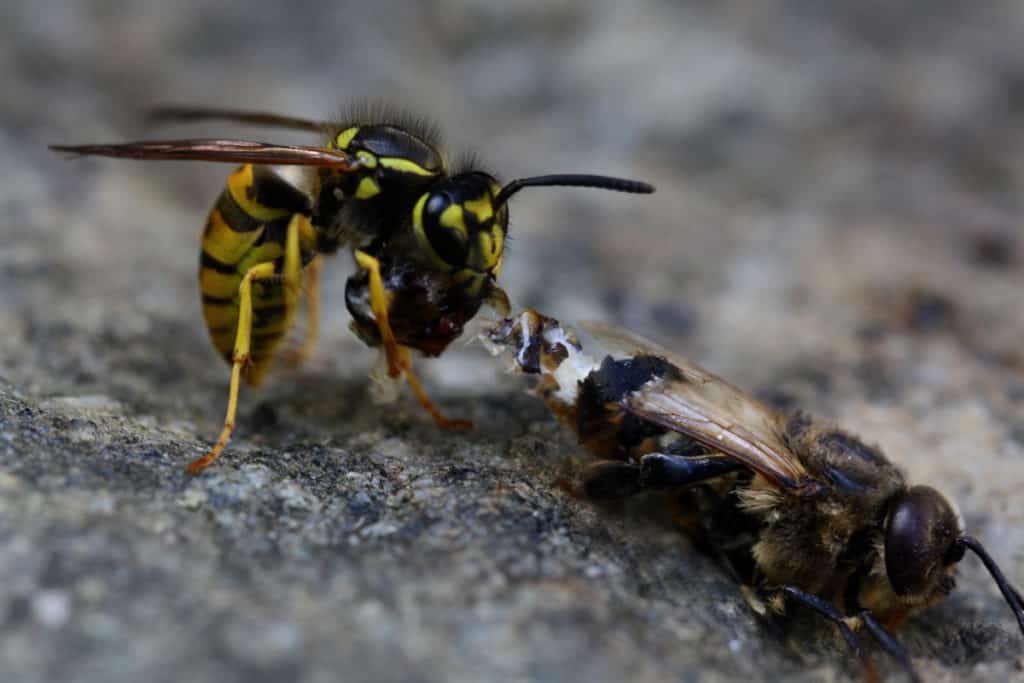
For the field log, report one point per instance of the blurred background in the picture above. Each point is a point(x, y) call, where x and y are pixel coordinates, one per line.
point(837, 227)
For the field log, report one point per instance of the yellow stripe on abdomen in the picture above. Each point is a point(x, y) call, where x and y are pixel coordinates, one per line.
point(239, 234)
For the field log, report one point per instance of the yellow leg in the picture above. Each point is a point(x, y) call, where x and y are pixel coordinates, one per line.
point(398, 356)
point(312, 289)
point(379, 304)
point(243, 337)
point(428, 405)
point(291, 276)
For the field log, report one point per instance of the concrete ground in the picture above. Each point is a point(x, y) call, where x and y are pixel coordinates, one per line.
point(837, 228)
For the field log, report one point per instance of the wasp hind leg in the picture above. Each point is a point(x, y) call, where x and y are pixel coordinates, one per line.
point(290, 276)
point(397, 355)
point(239, 358)
point(302, 350)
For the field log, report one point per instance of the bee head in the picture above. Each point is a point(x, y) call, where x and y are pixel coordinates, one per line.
point(461, 221)
point(920, 537)
point(923, 542)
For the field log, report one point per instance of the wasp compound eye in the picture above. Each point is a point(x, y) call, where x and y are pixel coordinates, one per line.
point(440, 226)
point(921, 530)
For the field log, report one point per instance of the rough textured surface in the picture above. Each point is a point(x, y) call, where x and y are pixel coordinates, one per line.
point(837, 227)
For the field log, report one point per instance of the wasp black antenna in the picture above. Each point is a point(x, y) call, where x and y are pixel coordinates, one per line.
point(1009, 592)
point(600, 182)
point(178, 114)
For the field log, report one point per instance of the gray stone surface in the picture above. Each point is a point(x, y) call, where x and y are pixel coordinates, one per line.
point(838, 227)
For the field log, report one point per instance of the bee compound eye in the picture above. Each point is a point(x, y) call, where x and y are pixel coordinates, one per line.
point(920, 532)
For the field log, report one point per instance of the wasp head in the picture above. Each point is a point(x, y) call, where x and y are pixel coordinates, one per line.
point(461, 227)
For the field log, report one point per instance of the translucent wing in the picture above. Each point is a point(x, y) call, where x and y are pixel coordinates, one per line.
point(709, 410)
point(230, 151)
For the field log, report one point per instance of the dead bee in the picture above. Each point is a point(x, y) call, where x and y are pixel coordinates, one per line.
point(795, 509)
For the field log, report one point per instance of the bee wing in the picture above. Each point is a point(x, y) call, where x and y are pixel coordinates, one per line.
point(229, 151)
point(709, 410)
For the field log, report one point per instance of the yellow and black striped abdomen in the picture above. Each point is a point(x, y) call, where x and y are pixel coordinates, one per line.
point(240, 233)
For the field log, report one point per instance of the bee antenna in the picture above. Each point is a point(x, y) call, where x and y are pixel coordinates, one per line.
point(1013, 598)
point(573, 180)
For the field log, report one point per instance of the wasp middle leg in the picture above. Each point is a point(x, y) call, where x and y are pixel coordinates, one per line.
point(303, 349)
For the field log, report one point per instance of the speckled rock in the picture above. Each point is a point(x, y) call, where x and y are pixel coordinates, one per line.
point(837, 228)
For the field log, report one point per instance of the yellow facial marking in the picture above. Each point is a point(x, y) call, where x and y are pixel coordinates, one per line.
point(345, 137)
point(482, 208)
point(421, 235)
point(453, 218)
point(489, 244)
point(486, 247)
point(368, 159)
point(367, 188)
point(417, 213)
point(404, 166)
point(463, 275)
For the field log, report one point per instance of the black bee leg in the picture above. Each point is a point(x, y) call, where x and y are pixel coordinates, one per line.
point(664, 471)
point(876, 630)
point(655, 471)
point(887, 642)
point(829, 611)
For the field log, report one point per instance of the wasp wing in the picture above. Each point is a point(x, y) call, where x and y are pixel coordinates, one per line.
point(709, 410)
point(229, 151)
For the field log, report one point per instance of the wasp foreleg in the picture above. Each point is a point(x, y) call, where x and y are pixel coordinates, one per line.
point(379, 304)
point(447, 423)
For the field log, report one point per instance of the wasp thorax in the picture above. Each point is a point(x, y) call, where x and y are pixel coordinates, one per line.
point(457, 225)
point(920, 534)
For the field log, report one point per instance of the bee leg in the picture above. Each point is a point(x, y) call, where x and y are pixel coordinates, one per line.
point(655, 472)
point(830, 612)
point(887, 642)
point(379, 304)
point(312, 289)
point(405, 364)
point(243, 337)
point(665, 471)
